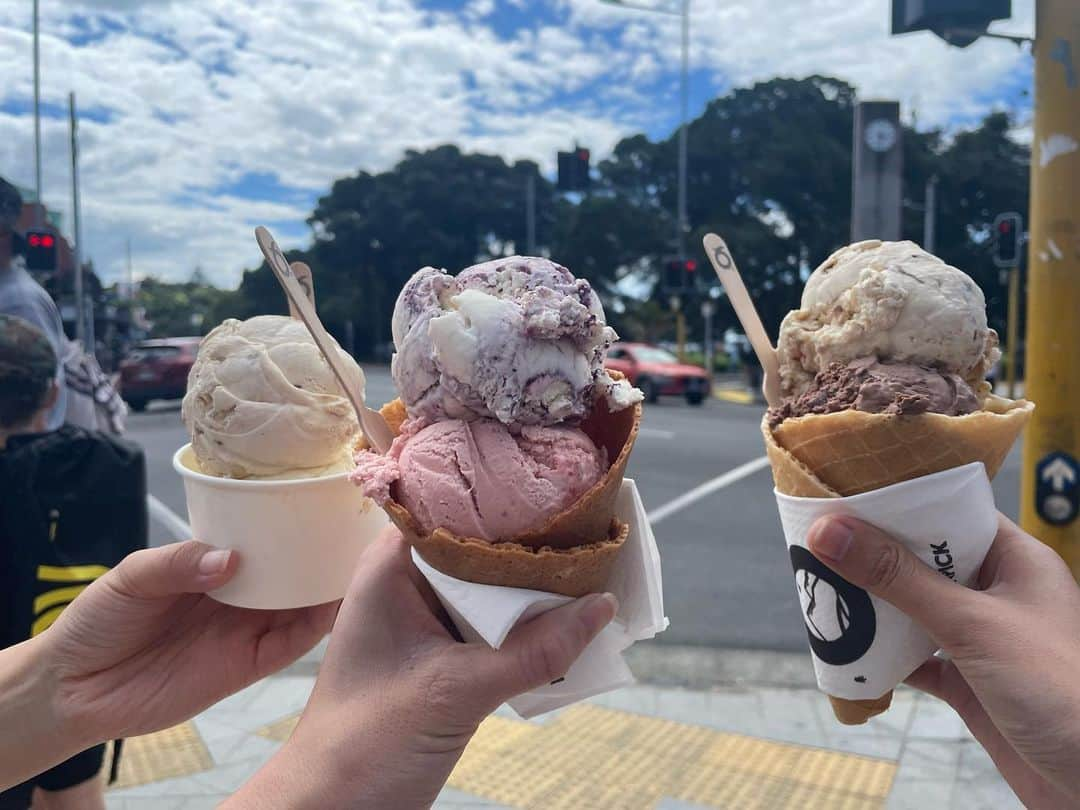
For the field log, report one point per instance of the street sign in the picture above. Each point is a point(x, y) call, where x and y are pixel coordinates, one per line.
point(1057, 488)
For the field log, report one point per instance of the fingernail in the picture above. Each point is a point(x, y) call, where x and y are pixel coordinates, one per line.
point(831, 539)
point(214, 562)
point(597, 610)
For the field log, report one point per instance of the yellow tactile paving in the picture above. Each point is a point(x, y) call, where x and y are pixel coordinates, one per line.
point(280, 730)
point(176, 751)
point(591, 757)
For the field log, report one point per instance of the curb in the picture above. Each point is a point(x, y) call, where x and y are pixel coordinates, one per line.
point(703, 668)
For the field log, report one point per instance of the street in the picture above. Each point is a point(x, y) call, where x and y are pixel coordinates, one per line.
point(726, 573)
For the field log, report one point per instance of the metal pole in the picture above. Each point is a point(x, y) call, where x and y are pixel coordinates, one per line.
point(1012, 328)
point(530, 215)
point(1049, 485)
point(39, 210)
point(684, 104)
point(707, 308)
point(930, 214)
point(130, 273)
point(79, 303)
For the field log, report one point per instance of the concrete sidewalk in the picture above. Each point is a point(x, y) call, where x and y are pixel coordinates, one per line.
point(759, 736)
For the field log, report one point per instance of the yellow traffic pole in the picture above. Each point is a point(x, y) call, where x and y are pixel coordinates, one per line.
point(1051, 481)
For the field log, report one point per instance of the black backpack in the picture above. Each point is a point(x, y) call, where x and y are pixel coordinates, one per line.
point(72, 505)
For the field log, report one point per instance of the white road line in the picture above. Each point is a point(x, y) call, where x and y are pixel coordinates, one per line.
point(173, 523)
point(657, 433)
point(709, 487)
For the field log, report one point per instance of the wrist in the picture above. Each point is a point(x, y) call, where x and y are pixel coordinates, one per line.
point(30, 702)
point(300, 776)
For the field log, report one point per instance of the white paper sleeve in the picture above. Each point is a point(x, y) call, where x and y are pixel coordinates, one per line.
point(489, 612)
point(861, 645)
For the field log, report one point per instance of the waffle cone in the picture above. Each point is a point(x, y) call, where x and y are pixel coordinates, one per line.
point(573, 553)
point(839, 454)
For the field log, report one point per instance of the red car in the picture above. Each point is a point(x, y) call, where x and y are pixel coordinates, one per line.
point(658, 372)
point(157, 369)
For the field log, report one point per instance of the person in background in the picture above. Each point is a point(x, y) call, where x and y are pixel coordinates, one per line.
point(23, 297)
point(71, 501)
point(93, 402)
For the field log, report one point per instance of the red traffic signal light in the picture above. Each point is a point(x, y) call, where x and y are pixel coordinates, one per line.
point(1008, 239)
point(40, 251)
point(678, 274)
point(44, 240)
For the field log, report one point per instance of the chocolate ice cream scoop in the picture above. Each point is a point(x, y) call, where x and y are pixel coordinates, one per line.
point(870, 385)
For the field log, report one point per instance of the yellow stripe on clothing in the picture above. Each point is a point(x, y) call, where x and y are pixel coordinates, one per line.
point(45, 620)
point(70, 573)
point(57, 596)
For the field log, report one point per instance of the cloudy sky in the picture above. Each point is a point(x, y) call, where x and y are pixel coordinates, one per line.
point(202, 118)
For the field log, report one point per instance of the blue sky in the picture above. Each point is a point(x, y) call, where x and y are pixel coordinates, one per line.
point(202, 118)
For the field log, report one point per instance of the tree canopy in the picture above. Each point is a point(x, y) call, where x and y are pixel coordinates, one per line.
point(769, 168)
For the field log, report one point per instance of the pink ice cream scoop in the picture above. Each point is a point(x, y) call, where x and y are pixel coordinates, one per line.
point(477, 479)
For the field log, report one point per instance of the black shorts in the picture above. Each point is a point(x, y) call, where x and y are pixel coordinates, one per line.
point(67, 774)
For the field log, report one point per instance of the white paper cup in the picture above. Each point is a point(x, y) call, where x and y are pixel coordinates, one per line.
point(861, 645)
point(298, 540)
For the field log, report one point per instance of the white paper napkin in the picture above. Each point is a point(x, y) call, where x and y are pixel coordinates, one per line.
point(489, 612)
point(861, 645)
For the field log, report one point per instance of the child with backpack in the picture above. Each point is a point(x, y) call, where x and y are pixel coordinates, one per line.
point(72, 505)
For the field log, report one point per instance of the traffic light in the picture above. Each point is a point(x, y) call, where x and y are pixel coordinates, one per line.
point(958, 22)
point(680, 275)
point(574, 170)
point(1008, 236)
point(40, 251)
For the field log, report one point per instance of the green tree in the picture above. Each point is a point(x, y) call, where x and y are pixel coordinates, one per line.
point(769, 169)
point(176, 309)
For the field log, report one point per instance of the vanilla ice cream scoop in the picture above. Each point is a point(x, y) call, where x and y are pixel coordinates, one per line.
point(262, 402)
point(518, 339)
point(889, 300)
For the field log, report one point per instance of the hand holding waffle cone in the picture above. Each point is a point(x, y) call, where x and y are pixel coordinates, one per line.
point(881, 371)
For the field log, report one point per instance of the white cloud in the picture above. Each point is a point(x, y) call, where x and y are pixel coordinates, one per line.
point(184, 100)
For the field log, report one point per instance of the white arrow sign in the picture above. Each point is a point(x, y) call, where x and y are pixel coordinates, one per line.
point(1059, 473)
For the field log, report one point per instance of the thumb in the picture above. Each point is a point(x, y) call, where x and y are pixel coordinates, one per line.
point(542, 650)
point(868, 557)
point(188, 567)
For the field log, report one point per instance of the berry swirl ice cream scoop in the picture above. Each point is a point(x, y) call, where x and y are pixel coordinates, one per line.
point(517, 339)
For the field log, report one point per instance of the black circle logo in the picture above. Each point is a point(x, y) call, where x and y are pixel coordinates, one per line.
point(840, 618)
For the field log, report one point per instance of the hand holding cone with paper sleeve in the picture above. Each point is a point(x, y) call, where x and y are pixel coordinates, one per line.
point(881, 375)
point(512, 438)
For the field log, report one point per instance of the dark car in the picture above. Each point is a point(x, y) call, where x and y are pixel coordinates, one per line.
point(157, 369)
point(658, 372)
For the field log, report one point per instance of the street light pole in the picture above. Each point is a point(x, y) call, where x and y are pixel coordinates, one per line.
point(38, 211)
point(80, 303)
point(684, 103)
point(681, 225)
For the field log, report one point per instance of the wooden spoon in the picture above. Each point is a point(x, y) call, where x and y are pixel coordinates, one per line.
point(375, 428)
point(717, 251)
point(304, 279)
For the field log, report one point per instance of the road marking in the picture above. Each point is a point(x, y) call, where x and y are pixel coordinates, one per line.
point(172, 522)
point(657, 433)
point(709, 487)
